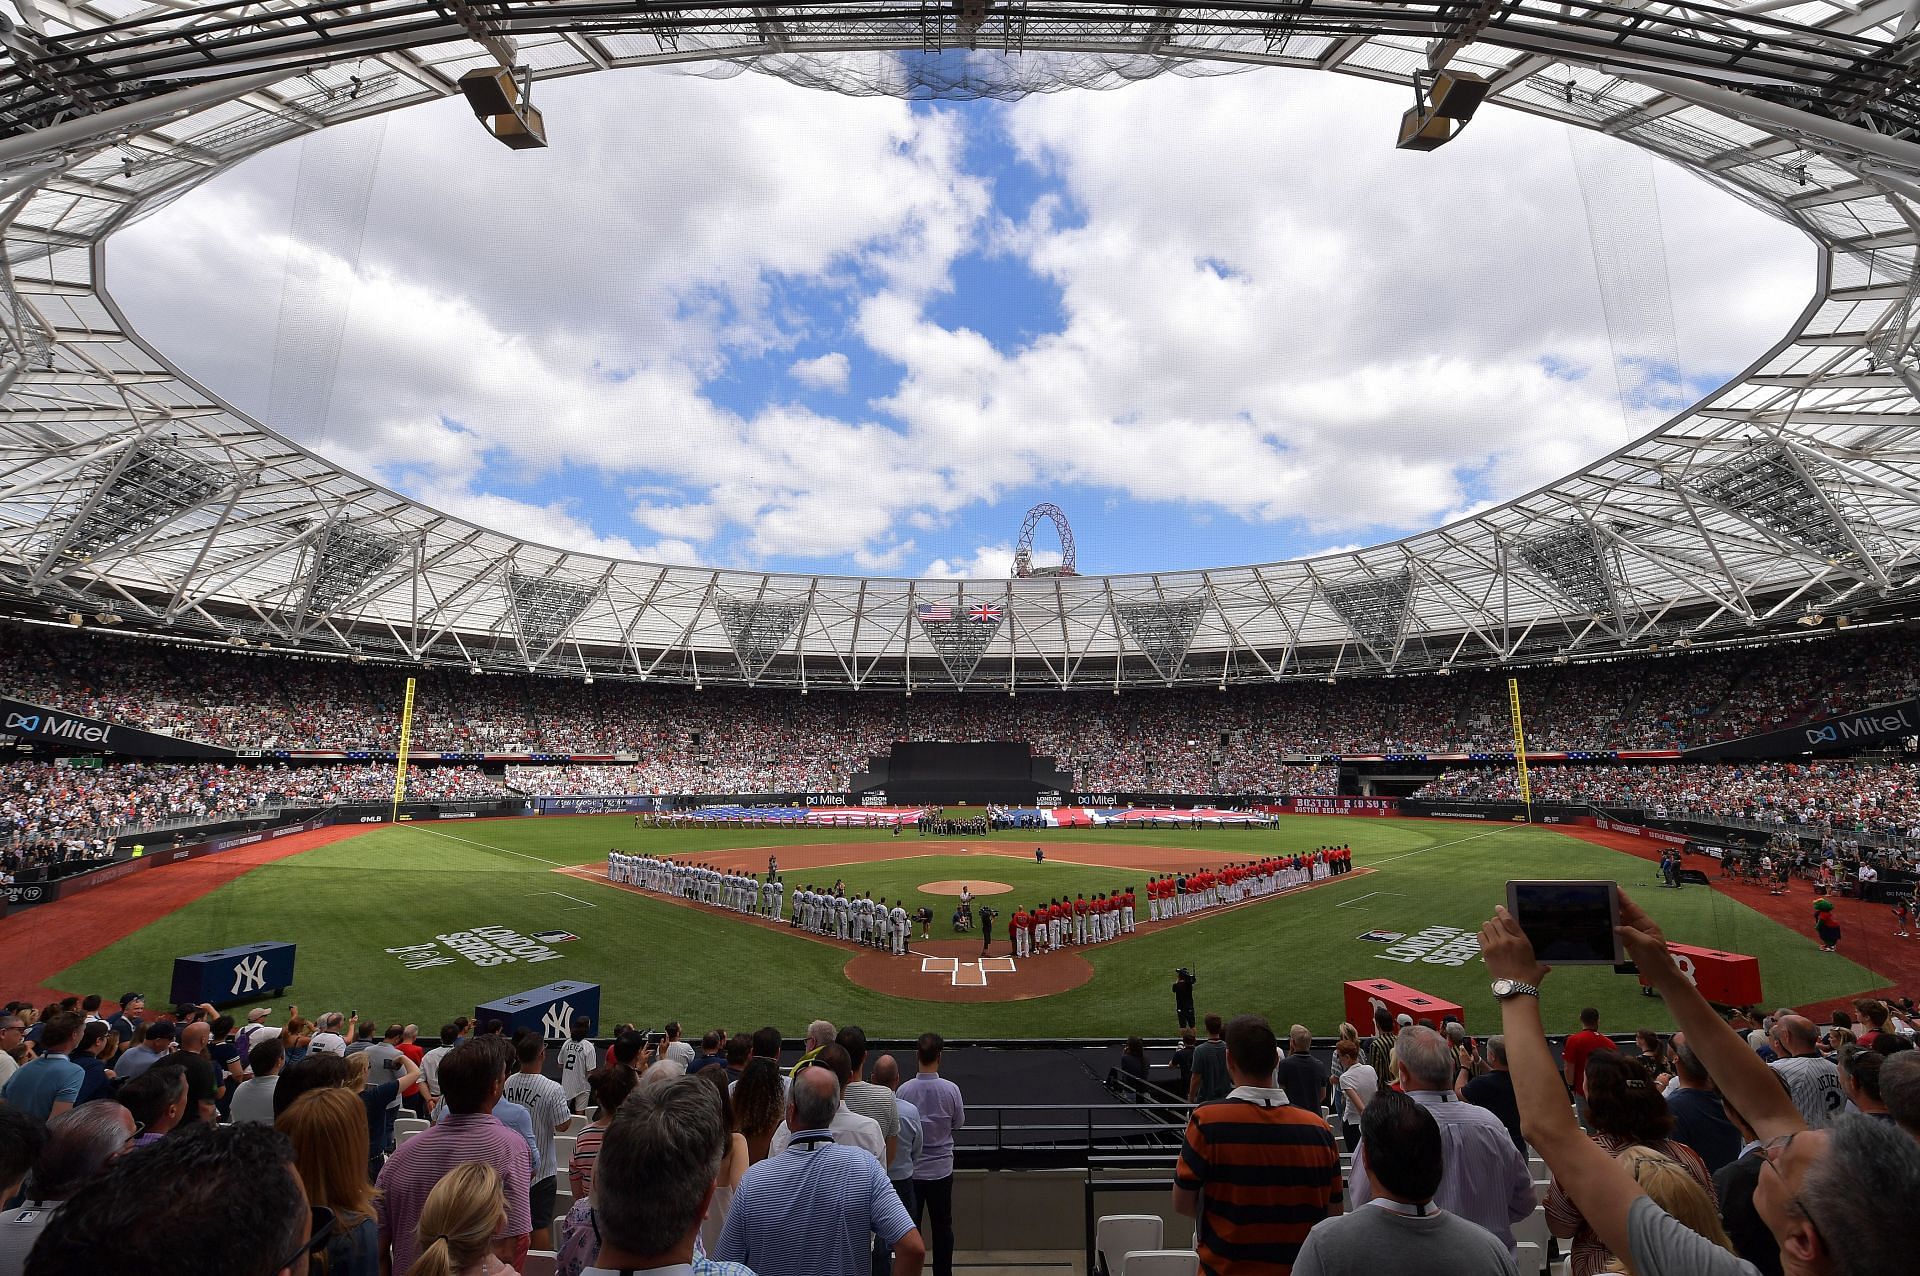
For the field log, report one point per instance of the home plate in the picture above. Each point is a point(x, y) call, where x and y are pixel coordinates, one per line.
point(967, 974)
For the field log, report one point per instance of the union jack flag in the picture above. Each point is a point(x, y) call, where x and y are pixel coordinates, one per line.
point(984, 614)
point(935, 613)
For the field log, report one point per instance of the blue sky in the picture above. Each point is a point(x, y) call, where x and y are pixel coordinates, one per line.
point(748, 324)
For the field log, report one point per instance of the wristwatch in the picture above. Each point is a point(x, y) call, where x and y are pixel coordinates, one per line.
point(1503, 989)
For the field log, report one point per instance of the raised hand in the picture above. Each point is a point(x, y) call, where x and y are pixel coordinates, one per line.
point(1642, 937)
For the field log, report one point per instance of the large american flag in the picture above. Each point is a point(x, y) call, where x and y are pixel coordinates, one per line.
point(935, 613)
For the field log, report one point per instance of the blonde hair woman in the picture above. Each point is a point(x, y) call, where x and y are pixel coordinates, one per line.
point(328, 1130)
point(1673, 1190)
point(457, 1224)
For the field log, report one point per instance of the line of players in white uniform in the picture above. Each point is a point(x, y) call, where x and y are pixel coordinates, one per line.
point(738, 892)
point(859, 919)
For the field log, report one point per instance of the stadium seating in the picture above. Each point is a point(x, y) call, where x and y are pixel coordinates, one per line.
point(1844, 797)
point(738, 740)
point(1118, 1235)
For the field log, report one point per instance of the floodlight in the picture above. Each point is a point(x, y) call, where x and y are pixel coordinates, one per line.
point(501, 102)
point(1456, 95)
point(490, 91)
point(1422, 130)
point(522, 130)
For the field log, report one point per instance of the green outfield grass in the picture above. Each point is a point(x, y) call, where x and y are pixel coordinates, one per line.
point(350, 905)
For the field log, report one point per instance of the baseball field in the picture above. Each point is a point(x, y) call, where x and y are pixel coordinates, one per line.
point(420, 922)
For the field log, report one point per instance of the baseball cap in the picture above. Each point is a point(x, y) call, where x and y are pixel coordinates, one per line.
point(258, 1013)
point(127, 997)
point(1405, 1021)
point(160, 1032)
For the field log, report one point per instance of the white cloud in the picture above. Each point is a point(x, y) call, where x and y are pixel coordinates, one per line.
point(989, 562)
point(1308, 326)
point(829, 371)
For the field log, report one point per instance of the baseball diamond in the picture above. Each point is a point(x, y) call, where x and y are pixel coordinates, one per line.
point(399, 907)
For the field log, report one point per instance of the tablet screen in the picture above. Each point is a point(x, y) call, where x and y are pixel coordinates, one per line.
point(1569, 923)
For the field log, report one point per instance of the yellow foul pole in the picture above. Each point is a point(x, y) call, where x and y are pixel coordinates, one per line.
point(1520, 746)
point(400, 764)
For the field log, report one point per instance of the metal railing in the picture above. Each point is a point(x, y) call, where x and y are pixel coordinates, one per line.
point(1066, 1136)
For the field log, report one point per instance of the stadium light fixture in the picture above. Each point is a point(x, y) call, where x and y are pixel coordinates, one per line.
point(1443, 102)
point(502, 104)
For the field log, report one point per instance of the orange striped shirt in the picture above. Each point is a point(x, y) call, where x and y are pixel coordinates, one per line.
point(1266, 1172)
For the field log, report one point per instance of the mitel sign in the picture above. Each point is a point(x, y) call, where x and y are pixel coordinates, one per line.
point(56, 726)
point(1862, 726)
point(1878, 725)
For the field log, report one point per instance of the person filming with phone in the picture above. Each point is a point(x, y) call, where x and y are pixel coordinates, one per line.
point(1839, 1200)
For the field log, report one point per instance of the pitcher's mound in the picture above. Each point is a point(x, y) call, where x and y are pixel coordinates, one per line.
point(953, 970)
point(953, 888)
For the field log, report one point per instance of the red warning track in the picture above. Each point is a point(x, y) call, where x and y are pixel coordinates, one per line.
point(1867, 933)
point(37, 943)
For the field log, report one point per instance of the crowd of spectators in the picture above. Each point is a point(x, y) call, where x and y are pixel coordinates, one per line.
point(1180, 740)
point(51, 813)
point(1838, 797)
point(1740, 1145)
point(267, 1147)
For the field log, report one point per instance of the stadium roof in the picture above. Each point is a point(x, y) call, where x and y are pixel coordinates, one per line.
point(131, 495)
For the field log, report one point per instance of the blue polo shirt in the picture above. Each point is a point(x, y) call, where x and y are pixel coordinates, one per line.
point(48, 1080)
point(812, 1211)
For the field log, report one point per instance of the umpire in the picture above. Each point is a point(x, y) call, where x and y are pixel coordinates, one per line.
point(1183, 982)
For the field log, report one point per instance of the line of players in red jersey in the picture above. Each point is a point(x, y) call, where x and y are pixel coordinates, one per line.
point(1178, 894)
point(1062, 922)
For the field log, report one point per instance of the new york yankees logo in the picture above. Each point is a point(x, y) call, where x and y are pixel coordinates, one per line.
point(556, 1022)
point(249, 973)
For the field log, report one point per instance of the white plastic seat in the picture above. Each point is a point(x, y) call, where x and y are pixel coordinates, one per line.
point(576, 1123)
point(1160, 1262)
point(1117, 1234)
point(563, 1145)
point(405, 1128)
point(1533, 1259)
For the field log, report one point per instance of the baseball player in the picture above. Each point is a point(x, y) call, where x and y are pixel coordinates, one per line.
point(902, 928)
point(1126, 911)
point(1020, 927)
